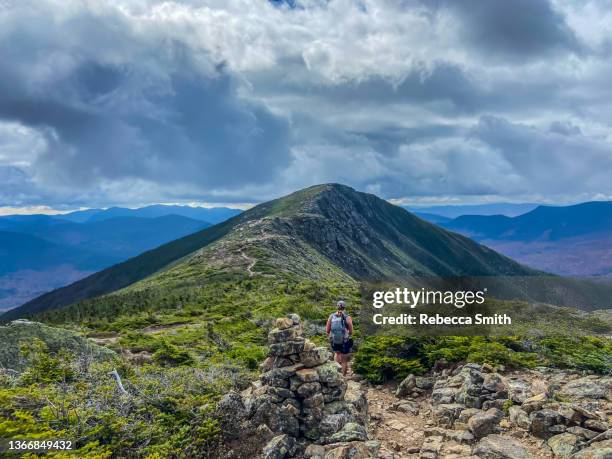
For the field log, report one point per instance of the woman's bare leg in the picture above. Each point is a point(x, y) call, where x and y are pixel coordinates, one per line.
point(344, 362)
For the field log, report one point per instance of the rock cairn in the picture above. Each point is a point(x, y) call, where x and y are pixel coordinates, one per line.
point(302, 398)
point(489, 414)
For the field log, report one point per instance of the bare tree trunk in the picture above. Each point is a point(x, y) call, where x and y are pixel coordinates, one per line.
point(115, 374)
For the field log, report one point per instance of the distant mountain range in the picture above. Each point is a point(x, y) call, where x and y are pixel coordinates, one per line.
point(208, 214)
point(454, 211)
point(568, 240)
point(324, 234)
point(41, 252)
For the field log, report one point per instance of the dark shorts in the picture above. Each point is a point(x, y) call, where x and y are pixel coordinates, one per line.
point(342, 348)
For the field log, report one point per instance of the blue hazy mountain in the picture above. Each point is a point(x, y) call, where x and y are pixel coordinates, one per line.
point(571, 240)
point(43, 252)
point(211, 215)
point(433, 218)
point(452, 211)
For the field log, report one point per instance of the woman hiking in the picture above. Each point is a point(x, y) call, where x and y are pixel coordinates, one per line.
point(339, 330)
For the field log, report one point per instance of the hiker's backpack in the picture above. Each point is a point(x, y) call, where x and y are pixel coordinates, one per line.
point(338, 328)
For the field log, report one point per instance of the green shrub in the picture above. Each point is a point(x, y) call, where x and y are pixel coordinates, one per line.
point(382, 358)
point(169, 354)
point(44, 366)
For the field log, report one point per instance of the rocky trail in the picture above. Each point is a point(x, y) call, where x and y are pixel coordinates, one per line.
point(302, 407)
point(474, 412)
point(251, 263)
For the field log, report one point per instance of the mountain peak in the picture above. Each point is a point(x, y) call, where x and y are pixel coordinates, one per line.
point(323, 232)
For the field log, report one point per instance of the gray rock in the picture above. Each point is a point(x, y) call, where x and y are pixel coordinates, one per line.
point(493, 382)
point(333, 423)
point(331, 394)
point(287, 347)
point(518, 391)
point(424, 383)
point(294, 318)
point(542, 421)
point(351, 431)
point(596, 425)
point(406, 386)
point(499, 447)
point(584, 388)
point(443, 396)
point(484, 423)
point(518, 417)
point(445, 415)
point(314, 400)
point(280, 447)
point(329, 374)
point(563, 445)
point(308, 389)
point(277, 335)
point(315, 357)
point(599, 450)
point(582, 432)
point(348, 450)
point(314, 452)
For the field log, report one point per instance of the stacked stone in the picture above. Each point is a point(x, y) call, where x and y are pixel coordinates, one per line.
point(302, 395)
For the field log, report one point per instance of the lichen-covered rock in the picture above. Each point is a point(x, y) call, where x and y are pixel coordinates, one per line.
point(499, 447)
point(329, 374)
point(563, 445)
point(314, 357)
point(332, 423)
point(280, 447)
point(351, 431)
point(519, 417)
point(278, 335)
point(599, 450)
point(285, 348)
point(445, 415)
point(587, 388)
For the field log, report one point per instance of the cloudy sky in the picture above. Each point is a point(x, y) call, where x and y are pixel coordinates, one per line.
point(132, 102)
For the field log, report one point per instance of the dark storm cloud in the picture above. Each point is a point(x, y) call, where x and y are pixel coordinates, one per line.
point(163, 119)
point(518, 29)
point(243, 101)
